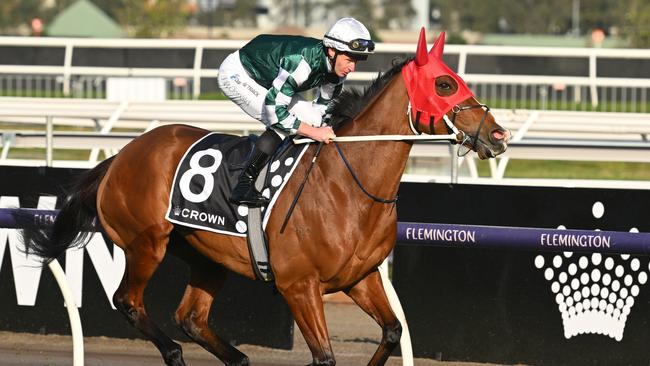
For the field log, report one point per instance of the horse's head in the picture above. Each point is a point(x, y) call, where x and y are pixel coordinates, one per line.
point(440, 99)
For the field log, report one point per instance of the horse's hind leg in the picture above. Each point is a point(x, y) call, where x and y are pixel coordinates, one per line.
point(370, 296)
point(143, 255)
point(192, 315)
point(306, 303)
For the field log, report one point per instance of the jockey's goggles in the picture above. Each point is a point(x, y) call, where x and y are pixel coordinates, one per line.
point(358, 44)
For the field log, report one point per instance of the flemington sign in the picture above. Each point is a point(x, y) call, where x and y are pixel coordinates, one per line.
point(593, 295)
point(495, 237)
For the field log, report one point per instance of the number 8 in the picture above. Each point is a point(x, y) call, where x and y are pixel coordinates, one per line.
point(204, 171)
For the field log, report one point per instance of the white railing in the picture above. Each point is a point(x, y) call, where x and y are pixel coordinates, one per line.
point(108, 126)
point(579, 92)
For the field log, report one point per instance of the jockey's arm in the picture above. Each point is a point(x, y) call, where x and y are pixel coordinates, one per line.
point(279, 96)
point(326, 93)
point(321, 134)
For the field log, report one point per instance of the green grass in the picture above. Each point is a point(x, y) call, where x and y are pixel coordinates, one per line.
point(560, 105)
point(34, 94)
point(213, 96)
point(504, 103)
point(58, 154)
point(553, 169)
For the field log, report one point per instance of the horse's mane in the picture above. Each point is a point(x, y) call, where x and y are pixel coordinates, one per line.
point(347, 105)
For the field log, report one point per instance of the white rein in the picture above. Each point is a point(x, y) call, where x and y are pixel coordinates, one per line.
point(457, 135)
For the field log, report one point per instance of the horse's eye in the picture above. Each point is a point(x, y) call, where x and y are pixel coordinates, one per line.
point(444, 86)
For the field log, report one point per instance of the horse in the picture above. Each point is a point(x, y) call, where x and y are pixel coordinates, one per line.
point(339, 233)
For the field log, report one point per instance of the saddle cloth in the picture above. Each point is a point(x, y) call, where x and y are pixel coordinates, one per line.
point(207, 173)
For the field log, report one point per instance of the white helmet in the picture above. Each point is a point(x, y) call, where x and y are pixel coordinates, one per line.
point(351, 36)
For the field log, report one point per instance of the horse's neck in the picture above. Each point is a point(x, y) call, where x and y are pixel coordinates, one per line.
point(384, 114)
point(380, 164)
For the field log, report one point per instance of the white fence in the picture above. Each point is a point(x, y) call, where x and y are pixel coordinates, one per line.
point(102, 127)
point(579, 92)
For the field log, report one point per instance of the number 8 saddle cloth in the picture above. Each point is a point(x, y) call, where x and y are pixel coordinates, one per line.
point(207, 173)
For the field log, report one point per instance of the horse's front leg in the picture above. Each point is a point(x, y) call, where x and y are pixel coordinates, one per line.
point(306, 303)
point(370, 296)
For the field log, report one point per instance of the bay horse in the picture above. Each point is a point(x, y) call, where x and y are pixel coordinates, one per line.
point(336, 237)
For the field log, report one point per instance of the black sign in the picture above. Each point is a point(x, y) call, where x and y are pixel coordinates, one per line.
point(507, 306)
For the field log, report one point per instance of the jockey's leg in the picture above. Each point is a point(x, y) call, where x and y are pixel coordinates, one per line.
point(245, 192)
point(369, 294)
point(235, 83)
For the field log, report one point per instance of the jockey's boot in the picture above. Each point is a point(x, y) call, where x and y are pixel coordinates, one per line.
point(245, 192)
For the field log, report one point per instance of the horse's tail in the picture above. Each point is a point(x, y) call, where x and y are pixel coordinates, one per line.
point(74, 222)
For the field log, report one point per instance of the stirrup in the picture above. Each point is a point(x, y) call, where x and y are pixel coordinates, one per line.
point(252, 198)
point(245, 193)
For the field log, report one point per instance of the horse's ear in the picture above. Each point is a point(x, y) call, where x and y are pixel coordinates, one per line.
point(438, 46)
point(421, 57)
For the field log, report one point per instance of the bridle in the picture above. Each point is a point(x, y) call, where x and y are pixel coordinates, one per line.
point(463, 139)
point(455, 136)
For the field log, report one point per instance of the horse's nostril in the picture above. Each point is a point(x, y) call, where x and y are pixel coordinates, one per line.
point(499, 134)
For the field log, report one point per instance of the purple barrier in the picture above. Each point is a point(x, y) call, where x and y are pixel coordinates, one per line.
point(455, 236)
point(499, 237)
point(11, 218)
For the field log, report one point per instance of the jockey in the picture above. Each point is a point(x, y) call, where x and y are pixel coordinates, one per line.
point(265, 76)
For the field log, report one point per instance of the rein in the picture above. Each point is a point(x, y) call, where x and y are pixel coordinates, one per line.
point(356, 179)
point(302, 186)
point(456, 136)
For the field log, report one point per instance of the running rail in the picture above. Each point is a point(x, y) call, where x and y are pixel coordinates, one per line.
point(520, 238)
point(73, 313)
point(9, 221)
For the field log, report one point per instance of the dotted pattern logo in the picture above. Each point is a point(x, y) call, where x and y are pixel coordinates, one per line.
point(595, 293)
point(279, 173)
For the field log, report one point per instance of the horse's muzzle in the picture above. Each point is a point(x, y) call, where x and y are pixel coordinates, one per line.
point(497, 144)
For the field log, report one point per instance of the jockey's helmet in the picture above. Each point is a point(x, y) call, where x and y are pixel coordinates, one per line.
point(350, 36)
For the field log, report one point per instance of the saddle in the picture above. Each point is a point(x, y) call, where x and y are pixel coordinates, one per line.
point(204, 179)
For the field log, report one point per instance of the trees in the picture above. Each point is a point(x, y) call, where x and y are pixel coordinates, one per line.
point(110, 7)
point(158, 18)
point(397, 14)
point(144, 18)
point(16, 12)
point(155, 18)
point(637, 27)
point(228, 13)
point(500, 16)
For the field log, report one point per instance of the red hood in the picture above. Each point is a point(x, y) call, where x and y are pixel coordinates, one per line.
point(420, 76)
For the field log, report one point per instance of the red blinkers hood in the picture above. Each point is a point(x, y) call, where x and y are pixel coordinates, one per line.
point(420, 79)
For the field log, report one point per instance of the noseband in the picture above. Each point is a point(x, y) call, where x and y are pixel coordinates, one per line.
point(472, 139)
point(461, 137)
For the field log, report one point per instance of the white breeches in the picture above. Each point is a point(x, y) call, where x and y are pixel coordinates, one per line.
point(235, 83)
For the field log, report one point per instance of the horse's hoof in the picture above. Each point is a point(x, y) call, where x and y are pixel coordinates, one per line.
point(242, 362)
point(325, 363)
point(174, 358)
